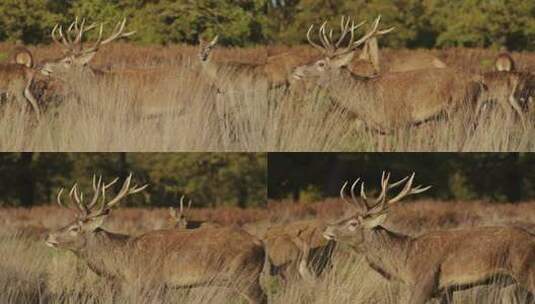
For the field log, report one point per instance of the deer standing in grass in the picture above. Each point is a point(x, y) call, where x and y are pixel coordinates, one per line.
point(279, 67)
point(391, 100)
point(76, 57)
point(436, 263)
point(224, 73)
point(181, 221)
point(165, 259)
point(513, 91)
point(289, 258)
point(17, 78)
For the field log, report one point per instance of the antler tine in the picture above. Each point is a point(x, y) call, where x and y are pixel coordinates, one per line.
point(363, 196)
point(408, 190)
point(373, 32)
point(71, 196)
point(58, 197)
point(342, 190)
point(125, 191)
point(189, 204)
point(96, 190)
point(79, 32)
point(317, 46)
point(73, 25)
point(345, 29)
point(354, 198)
point(182, 204)
point(324, 39)
point(64, 43)
point(105, 187)
point(78, 200)
point(118, 32)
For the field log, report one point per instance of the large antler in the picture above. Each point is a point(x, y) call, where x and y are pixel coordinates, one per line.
point(72, 39)
point(177, 214)
point(381, 203)
point(347, 26)
point(99, 190)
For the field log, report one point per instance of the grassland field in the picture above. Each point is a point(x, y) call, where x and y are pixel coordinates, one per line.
point(164, 103)
point(30, 272)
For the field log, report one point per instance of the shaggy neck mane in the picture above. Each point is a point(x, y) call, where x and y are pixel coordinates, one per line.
point(386, 251)
point(100, 248)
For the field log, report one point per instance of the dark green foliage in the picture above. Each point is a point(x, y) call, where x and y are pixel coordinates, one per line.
point(428, 23)
point(209, 179)
point(506, 177)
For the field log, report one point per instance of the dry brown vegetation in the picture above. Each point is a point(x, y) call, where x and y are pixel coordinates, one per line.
point(162, 103)
point(31, 272)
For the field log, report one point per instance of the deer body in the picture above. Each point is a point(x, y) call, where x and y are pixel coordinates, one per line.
point(513, 92)
point(172, 258)
point(15, 83)
point(284, 246)
point(394, 100)
point(436, 263)
point(443, 260)
point(390, 100)
point(414, 60)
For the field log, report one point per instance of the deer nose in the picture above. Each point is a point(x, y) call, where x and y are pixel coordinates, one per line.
point(329, 234)
point(298, 73)
point(51, 241)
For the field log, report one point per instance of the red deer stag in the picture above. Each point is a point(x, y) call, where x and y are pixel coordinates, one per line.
point(223, 257)
point(76, 57)
point(391, 100)
point(436, 263)
point(181, 221)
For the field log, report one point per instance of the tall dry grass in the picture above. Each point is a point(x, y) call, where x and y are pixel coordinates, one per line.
point(163, 103)
point(30, 272)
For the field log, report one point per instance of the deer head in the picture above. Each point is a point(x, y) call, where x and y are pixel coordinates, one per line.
point(178, 214)
point(206, 48)
point(75, 53)
point(371, 213)
point(336, 56)
point(89, 216)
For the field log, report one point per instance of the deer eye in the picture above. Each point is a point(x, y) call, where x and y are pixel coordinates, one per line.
point(321, 64)
point(352, 225)
point(74, 229)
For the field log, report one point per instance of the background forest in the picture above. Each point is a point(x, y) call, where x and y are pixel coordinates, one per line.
point(419, 23)
point(209, 179)
point(500, 177)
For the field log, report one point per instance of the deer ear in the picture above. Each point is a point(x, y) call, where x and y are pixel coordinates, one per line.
point(214, 41)
point(85, 58)
point(374, 220)
point(343, 60)
point(94, 223)
point(172, 212)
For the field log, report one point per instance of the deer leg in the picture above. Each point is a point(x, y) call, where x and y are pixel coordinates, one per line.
point(423, 288)
point(31, 99)
point(514, 103)
point(254, 294)
point(447, 297)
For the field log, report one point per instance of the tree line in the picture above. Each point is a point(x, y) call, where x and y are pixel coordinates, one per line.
point(208, 179)
point(427, 23)
point(500, 177)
